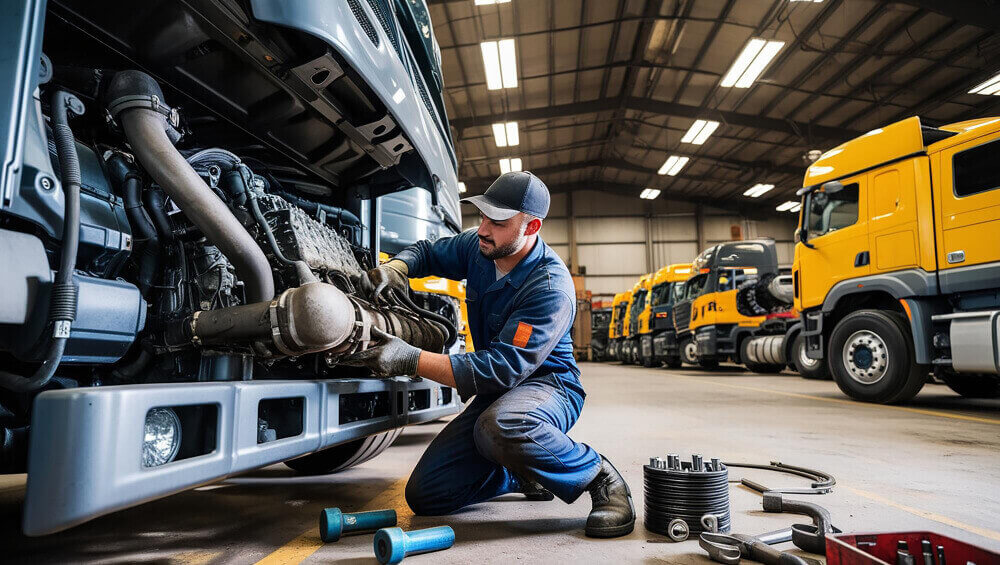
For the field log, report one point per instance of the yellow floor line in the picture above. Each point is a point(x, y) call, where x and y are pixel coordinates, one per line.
point(979, 419)
point(305, 544)
point(991, 534)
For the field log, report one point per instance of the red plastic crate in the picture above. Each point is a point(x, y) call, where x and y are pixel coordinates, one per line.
point(880, 549)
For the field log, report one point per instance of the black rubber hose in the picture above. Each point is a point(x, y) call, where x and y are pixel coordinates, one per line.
point(62, 309)
point(301, 267)
point(404, 297)
point(143, 232)
point(155, 201)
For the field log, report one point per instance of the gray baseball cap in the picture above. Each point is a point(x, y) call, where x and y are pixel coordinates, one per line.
point(511, 193)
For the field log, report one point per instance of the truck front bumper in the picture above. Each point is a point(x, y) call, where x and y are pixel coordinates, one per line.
point(85, 452)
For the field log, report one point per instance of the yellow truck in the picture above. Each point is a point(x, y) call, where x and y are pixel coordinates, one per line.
point(897, 265)
point(658, 342)
point(618, 306)
point(633, 312)
point(709, 327)
point(452, 309)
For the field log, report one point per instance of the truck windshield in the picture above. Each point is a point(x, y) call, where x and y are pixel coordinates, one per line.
point(694, 286)
point(661, 293)
point(638, 303)
point(831, 212)
point(677, 291)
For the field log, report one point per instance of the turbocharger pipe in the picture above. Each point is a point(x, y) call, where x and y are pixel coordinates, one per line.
point(136, 101)
point(311, 318)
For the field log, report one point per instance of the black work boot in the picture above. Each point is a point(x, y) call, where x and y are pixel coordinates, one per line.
point(534, 491)
point(613, 514)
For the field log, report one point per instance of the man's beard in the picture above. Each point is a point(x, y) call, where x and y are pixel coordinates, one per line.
point(505, 250)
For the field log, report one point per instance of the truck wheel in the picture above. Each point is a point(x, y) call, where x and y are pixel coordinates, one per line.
point(345, 455)
point(972, 386)
point(806, 367)
point(871, 357)
point(647, 360)
point(674, 362)
point(689, 351)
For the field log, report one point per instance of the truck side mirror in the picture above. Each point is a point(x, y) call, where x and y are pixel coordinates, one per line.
point(833, 187)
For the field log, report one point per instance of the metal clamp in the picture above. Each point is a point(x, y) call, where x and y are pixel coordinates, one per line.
point(678, 530)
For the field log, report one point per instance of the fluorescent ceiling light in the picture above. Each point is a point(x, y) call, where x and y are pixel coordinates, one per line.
point(757, 190)
point(796, 208)
point(649, 193)
point(510, 165)
point(816, 1)
point(991, 86)
point(506, 134)
point(488, 2)
point(500, 63)
point(673, 165)
point(461, 188)
point(755, 57)
point(699, 131)
point(786, 206)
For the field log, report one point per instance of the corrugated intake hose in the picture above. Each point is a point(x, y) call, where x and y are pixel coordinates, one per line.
point(62, 309)
point(312, 318)
point(136, 101)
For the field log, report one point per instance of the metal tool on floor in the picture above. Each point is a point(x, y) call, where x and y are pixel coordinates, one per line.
point(807, 537)
point(822, 482)
point(333, 523)
point(393, 544)
point(730, 548)
point(685, 490)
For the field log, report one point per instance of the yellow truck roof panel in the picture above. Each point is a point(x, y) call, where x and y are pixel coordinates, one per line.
point(880, 145)
point(618, 299)
point(672, 273)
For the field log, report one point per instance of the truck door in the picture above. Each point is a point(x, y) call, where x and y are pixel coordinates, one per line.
point(967, 193)
point(892, 217)
point(837, 229)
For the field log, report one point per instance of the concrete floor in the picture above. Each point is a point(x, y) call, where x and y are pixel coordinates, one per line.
point(932, 465)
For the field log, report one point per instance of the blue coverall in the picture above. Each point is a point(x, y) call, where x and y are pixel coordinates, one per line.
point(523, 375)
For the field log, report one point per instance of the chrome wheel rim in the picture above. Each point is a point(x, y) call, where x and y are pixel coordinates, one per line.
point(804, 360)
point(690, 352)
point(866, 357)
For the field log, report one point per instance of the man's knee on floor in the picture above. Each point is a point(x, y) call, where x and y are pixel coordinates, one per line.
point(418, 497)
point(498, 434)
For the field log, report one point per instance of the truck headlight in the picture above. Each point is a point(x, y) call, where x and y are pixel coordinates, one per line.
point(161, 438)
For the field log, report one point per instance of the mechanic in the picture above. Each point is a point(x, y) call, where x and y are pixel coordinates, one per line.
point(521, 303)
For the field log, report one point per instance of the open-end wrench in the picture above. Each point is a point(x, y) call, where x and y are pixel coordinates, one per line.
point(729, 548)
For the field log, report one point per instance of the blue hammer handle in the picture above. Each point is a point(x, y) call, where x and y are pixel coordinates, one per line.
point(393, 544)
point(333, 523)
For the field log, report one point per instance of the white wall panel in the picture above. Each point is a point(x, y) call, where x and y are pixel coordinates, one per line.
point(618, 230)
point(614, 259)
point(674, 228)
point(670, 253)
point(554, 231)
point(562, 251)
point(607, 287)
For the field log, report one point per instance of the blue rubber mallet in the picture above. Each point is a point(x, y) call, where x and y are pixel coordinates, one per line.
point(393, 544)
point(333, 523)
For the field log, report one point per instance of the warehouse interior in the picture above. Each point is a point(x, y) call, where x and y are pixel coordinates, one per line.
point(750, 309)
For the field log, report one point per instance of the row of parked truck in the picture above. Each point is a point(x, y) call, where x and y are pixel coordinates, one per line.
point(895, 279)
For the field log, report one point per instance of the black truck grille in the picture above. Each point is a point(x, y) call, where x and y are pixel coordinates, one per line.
point(682, 316)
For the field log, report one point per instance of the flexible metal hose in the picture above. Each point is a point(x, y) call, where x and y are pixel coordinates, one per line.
point(62, 309)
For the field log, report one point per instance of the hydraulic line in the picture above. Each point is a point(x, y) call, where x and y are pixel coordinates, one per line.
point(404, 297)
point(62, 308)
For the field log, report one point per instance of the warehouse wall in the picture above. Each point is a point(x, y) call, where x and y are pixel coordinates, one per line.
point(620, 239)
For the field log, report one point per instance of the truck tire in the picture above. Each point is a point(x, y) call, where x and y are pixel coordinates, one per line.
point(673, 362)
point(872, 360)
point(345, 455)
point(647, 360)
point(689, 351)
point(762, 368)
point(807, 368)
point(972, 386)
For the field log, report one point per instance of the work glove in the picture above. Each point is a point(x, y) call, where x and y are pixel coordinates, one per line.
point(390, 357)
point(388, 275)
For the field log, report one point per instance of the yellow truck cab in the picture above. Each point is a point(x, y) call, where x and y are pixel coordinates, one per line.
point(658, 343)
point(636, 303)
point(897, 265)
point(717, 328)
point(618, 307)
